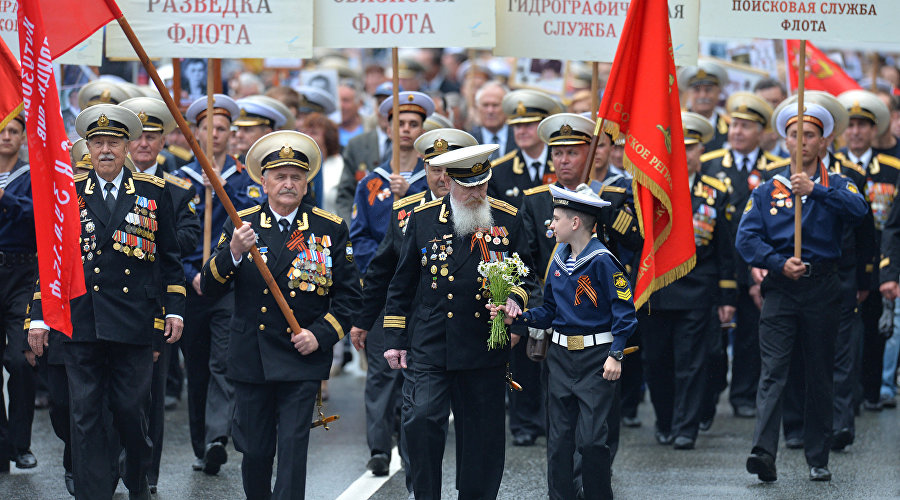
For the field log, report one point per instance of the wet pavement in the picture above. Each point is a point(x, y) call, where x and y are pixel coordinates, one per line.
point(869, 469)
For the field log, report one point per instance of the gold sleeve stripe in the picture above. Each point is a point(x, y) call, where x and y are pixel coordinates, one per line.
point(521, 293)
point(870, 268)
point(395, 322)
point(623, 221)
point(215, 271)
point(884, 263)
point(159, 324)
point(624, 295)
point(334, 324)
point(727, 284)
point(37, 296)
point(27, 324)
point(176, 289)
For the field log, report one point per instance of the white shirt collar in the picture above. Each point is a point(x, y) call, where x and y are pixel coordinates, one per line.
point(739, 158)
point(289, 217)
point(381, 138)
point(151, 170)
point(865, 158)
point(488, 137)
point(117, 182)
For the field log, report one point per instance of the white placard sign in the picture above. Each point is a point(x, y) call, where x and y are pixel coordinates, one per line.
point(88, 52)
point(586, 30)
point(398, 23)
point(215, 28)
point(816, 20)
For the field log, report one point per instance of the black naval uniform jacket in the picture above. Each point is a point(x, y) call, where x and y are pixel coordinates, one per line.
point(436, 310)
point(260, 348)
point(712, 280)
point(382, 266)
point(188, 229)
point(511, 177)
point(126, 281)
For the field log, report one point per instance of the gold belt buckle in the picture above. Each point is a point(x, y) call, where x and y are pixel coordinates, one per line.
point(575, 342)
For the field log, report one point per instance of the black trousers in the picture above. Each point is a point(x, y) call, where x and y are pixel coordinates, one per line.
point(476, 398)
point(175, 377)
point(632, 381)
point(745, 352)
point(58, 387)
point(804, 315)
point(269, 418)
point(579, 404)
point(101, 372)
point(716, 366)
point(383, 394)
point(675, 352)
point(873, 347)
point(526, 408)
point(205, 348)
point(157, 408)
point(16, 290)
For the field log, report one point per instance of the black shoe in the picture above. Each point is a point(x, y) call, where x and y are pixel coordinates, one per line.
point(152, 489)
point(763, 465)
point(745, 412)
point(705, 424)
point(379, 464)
point(683, 443)
point(841, 439)
point(70, 483)
point(171, 402)
point(819, 474)
point(25, 460)
point(142, 492)
point(214, 457)
point(794, 443)
point(523, 440)
point(579, 495)
point(870, 406)
point(198, 464)
point(631, 421)
point(4, 466)
point(663, 438)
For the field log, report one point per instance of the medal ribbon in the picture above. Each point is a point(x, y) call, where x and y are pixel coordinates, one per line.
point(584, 287)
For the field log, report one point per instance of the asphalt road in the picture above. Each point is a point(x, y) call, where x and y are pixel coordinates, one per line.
point(869, 469)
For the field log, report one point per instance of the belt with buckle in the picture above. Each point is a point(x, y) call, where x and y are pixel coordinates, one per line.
point(17, 259)
point(816, 269)
point(579, 342)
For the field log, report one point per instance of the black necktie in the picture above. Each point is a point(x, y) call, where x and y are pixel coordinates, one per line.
point(860, 163)
point(388, 151)
point(537, 171)
point(285, 225)
point(745, 166)
point(495, 154)
point(110, 198)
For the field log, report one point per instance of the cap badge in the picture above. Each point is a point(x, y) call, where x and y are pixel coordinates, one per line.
point(477, 168)
point(243, 113)
point(143, 117)
point(410, 98)
point(520, 109)
point(742, 108)
point(440, 146)
point(701, 74)
point(103, 121)
point(286, 152)
point(856, 109)
point(105, 96)
point(566, 129)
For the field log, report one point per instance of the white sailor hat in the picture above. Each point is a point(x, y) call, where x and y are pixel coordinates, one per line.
point(409, 68)
point(439, 141)
point(477, 67)
point(697, 129)
point(290, 121)
point(705, 72)
point(222, 105)
point(527, 106)
point(80, 156)
point(436, 121)
point(386, 89)
point(315, 100)
point(255, 113)
point(566, 129)
point(468, 166)
point(866, 105)
point(814, 113)
point(749, 106)
point(410, 101)
point(101, 91)
point(108, 119)
point(838, 113)
point(284, 148)
point(152, 112)
point(583, 199)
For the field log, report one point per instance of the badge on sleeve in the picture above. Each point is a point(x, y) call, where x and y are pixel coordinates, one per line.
point(749, 205)
point(621, 284)
point(221, 239)
point(253, 191)
point(852, 187)
point(349, 252)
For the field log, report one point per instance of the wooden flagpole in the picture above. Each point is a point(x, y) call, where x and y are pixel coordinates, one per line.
point(207, 213)
point(798, 164)
point(395, 120)
point(595, 89)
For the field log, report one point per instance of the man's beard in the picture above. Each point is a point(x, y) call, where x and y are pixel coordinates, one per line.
point(468, 218)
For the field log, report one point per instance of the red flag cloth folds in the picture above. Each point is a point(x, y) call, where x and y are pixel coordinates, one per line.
point(821, 72)
point(72, 21)
point(56, 210)
point(10, 90)
point(641, 104)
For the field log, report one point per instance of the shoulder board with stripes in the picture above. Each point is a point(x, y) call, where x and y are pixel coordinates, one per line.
point(160, 159)
point(771, 157)
point(325, 214)
point(409, 200)
point(178, 181)
point(716, 183)
point(506, 157)
point(889, 160)
point(535, 190)
point(80, 177)
point(846, 163)
point(502, 206)
point(248, 211)
point(158, 181)
point(183, 153)
point(712, 155)
point(777, 164)
point(612, 189)
point(432, 203)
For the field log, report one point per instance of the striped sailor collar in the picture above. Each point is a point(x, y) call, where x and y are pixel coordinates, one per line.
point(418, 172)
point(194, 171)
point(593, 248)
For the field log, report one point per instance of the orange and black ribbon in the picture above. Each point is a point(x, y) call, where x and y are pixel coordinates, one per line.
point(584, 287)
point(295, 242)
point(374, 187)
point(482, 245)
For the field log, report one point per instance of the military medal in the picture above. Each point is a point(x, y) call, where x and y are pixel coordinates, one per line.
point(779, 203)
point(773, 211)
point(449, 250)
point(434, 269)
point(89, 227)
point(444, 271)
point(505, 240)
point(479, 234)
point(789, 203)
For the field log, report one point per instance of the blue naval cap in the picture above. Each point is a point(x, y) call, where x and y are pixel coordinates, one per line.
point(254, 113)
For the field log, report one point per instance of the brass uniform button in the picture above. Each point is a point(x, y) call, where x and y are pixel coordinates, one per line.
point(262, 327)
point(98, 252)
point(449, 314)
point(289, 330)
point(449, 296)
point(127, 272)
point(96, 288)
point(477, 296)
point(450, 278)
point(478, 315)
point(125, 289)
point(293, 293)
point(96, 270)
point(263, 309)
point(265, 291)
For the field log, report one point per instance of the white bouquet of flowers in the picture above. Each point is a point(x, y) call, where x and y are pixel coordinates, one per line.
point(499, 278)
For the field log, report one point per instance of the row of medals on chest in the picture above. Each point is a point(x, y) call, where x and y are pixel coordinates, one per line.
point(141, 223)
point(311, 269)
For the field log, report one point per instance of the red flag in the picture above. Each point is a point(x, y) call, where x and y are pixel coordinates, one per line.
point(641, 103)
point(72, 21)
point(10, 90)
point(56, 211)
point(821, 72)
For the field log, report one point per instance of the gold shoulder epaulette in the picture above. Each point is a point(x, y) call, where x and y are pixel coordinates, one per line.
point(141, 176)
point(537, 189)
point(503, 206)
point(846, 163)
point(612, 189)
point(409, 200)
point(712, 155)
point(178, 181)
point(325, 214)
point(771, 156)
point(183, 153)
point(80, 177)
point(506, 157)
point(716, 183)
point(432, 203)
point(160, 159)
point(777, 164)
point(889, 160)
point(248, 211)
